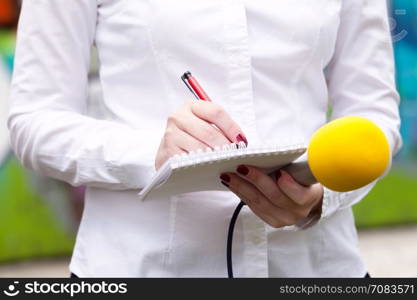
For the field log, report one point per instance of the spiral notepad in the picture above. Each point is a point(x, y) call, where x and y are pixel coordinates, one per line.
point(200, 170)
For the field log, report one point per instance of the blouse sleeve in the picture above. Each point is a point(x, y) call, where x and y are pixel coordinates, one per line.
point(361, 81)
point(49, 130)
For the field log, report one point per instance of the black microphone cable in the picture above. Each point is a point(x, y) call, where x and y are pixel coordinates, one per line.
point(230, 239)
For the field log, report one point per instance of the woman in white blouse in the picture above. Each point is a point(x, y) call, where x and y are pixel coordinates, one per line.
point(271, 67)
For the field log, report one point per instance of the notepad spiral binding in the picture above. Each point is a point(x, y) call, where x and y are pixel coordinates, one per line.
point(228, 152)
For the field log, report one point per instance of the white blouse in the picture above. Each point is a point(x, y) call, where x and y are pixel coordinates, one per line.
point(273, 65)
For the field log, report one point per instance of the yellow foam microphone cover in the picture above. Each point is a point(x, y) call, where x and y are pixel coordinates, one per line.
point(348, 153)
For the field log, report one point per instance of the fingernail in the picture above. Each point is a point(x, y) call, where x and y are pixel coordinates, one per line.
point(225, 177)
point(243, 170)
point(225, 184)
point(278, 174)
point(241, 138)
point(286, 176)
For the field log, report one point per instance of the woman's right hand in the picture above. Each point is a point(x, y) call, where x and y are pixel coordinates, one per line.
point(190, 128)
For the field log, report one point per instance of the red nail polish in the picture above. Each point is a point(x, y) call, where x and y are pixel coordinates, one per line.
point(225, 177)
point(241, 138)
point(243, 170)
point(225, 184)
point(287, 176)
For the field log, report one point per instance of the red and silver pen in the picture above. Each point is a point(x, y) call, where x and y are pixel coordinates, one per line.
point(200, 94)
point(194, 86)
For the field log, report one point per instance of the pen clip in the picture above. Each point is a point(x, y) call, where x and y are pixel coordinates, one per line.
point(184, 78)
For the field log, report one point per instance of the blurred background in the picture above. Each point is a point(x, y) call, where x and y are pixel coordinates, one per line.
point(39, 216)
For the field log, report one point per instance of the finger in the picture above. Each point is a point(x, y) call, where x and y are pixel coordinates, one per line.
point(278, 219)
point(185, 141)
point(267, 186)
point(262, 181)
point(256, 199)
point(200, 130)
point(265, 217)
point(298, 193)
point(216, 115)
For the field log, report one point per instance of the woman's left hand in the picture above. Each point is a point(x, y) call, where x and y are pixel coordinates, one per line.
point(281, 202)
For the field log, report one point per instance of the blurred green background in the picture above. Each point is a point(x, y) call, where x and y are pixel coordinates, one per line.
point(39, 216)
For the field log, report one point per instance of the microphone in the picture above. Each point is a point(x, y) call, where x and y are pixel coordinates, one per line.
point(344, 155)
